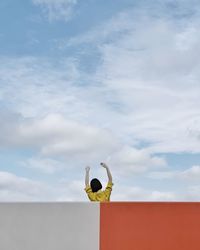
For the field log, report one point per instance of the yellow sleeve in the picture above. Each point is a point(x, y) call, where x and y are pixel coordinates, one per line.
point(89, 192)
point(108, 189)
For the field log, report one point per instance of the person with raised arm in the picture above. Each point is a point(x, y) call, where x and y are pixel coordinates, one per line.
point(94, 188)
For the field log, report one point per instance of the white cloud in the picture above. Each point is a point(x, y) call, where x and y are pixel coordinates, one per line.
point(63, 119)
point(54, 135)
point(42, 86)
point(17, 188)
point(45, 165)
point(162, 196)
point(57, 9)
point(105, 31)
point(72, 191)
point(136, 193)
point(162, 112)
point(163, 175)
point(193, 193)
point(13, 187)
point(131, 160)
point(127, 193)
point(156, 81)
point(149, 68)
point(144, 93)
point(191, 174)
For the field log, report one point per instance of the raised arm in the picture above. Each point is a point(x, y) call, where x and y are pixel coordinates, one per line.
point(108, 171)
point(87, 170)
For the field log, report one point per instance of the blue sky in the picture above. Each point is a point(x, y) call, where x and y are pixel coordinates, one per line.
point(88, 81)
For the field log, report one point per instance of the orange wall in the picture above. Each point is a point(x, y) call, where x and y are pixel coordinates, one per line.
point(150, 226)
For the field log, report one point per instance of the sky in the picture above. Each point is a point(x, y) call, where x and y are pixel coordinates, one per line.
point(84, 82)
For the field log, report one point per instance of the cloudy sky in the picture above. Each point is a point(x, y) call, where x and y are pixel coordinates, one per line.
point(82, 82)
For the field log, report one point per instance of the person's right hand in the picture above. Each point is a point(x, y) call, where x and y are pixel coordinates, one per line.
point(87, 168)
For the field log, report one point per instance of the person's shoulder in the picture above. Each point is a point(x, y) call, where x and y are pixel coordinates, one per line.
point(87, 188)
point(110, 184)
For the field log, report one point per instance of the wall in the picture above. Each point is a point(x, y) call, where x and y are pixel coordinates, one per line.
point(104, 226)
point(150, 226)
point(49, 226)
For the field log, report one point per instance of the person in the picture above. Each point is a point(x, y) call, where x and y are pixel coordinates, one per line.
point(94, 189)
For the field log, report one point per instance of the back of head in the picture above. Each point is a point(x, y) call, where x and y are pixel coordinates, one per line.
point(95, 185)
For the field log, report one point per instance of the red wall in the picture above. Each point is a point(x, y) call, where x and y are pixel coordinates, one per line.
point(150, 226)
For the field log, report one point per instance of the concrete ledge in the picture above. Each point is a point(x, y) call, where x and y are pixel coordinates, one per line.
point(49, 226)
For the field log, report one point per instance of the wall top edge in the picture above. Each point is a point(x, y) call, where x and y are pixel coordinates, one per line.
point(87, 202)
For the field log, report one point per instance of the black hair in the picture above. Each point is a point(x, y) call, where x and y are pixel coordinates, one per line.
point(95, 185)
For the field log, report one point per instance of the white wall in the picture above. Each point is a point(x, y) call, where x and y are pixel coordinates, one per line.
point(49, 226)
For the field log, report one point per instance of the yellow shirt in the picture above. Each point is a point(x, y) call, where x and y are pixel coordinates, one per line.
point(100, 195)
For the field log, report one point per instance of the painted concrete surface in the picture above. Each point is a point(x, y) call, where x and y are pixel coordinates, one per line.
point(150, 226)
point(49, 226)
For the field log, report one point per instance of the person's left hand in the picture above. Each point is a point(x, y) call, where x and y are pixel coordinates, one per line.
point(87, 168)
